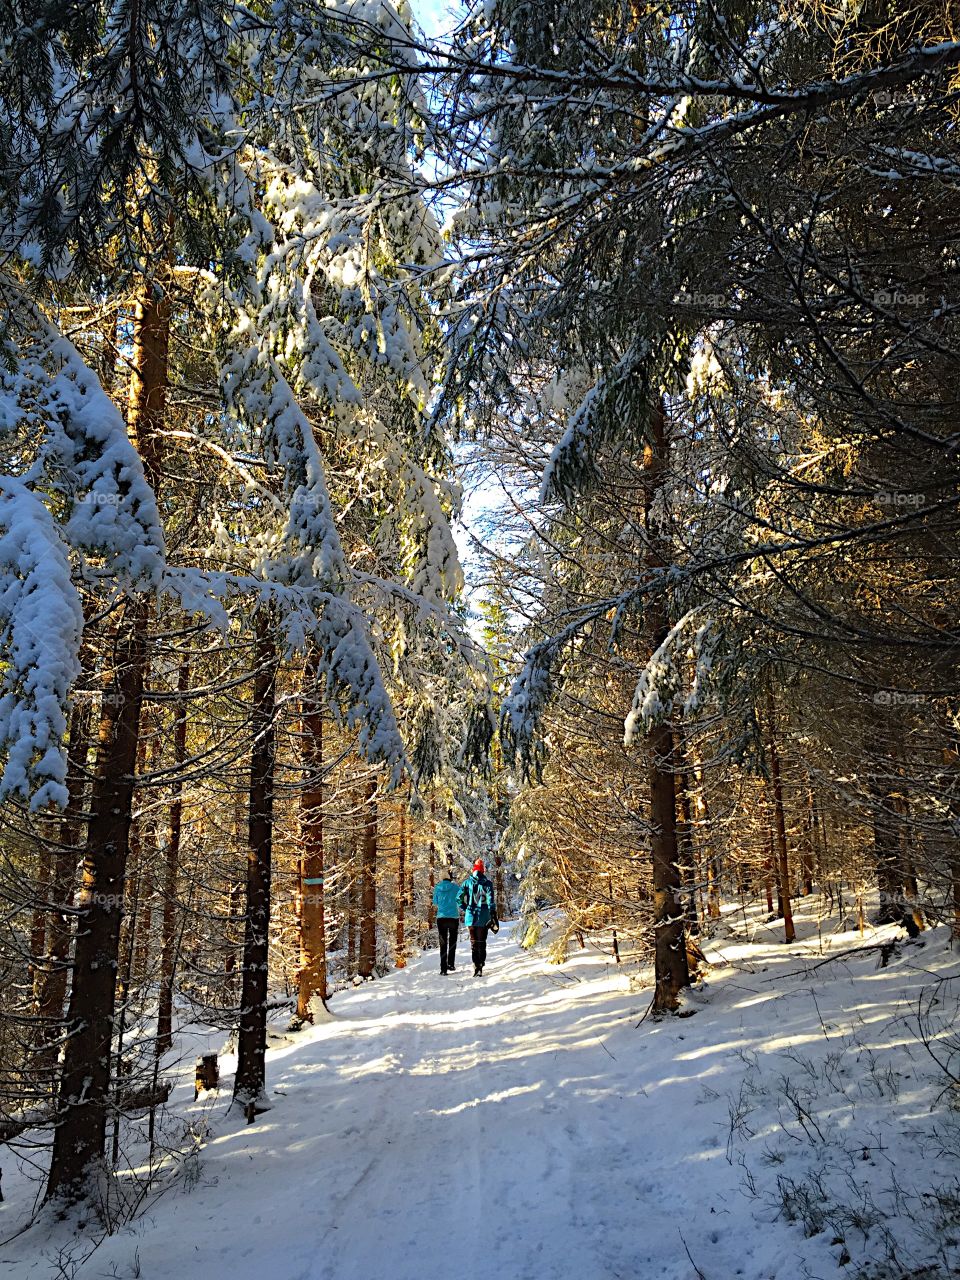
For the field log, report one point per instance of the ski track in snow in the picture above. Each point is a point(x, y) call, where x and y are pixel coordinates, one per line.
point(518, 1122)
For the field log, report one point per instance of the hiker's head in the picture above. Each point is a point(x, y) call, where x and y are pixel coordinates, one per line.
point(478, 865)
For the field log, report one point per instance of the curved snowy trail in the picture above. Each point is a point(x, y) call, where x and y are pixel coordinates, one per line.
point(522, 1123)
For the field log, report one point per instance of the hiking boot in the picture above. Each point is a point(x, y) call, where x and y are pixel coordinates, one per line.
point(477, 971)
point(443, 972)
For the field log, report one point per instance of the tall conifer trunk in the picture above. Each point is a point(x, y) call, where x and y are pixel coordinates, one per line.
point(368, 886)
point(249, 1082)
point(672, 973)
point(433, 861)
point(312, 975)
point(782, 857)
point(887, 853)
point(352, 894)
point(85, 1079)
point(686, 855)
point(808, 845)
point(168, 943)
point(83, 1101)
point(400, 959)
point(51, 987)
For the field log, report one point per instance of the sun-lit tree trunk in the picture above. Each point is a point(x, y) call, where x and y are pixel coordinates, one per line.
point(148, 858)
point(139, 852)
point(168, 937)
point(250, 1079)
point(686, 857)
point(352, 895)
point(809, 845)
point(704, 838)
point(433, 862)
point(312, 974)
point(368, 886)
point(496, 805)
point(670, 957)
point(775, 862)
point(400, 954)
point(781, 859)
point(80, 1132)
point(85, 1078)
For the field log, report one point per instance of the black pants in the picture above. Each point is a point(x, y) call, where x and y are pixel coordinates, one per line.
point(448, 928)
point(478, 943)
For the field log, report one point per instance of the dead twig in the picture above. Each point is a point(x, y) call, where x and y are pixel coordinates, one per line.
point(700, 1274)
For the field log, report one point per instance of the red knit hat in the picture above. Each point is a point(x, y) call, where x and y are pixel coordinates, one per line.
point(478, 865)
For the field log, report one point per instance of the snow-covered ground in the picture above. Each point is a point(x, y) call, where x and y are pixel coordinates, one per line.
point(524, 1124)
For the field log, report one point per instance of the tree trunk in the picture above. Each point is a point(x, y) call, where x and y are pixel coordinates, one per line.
point(38, 924)
point(353, 900)
point(130, 918)
point(782, 862)
point(411, 864)
point(686, 856)
point(887, 854)
point(498, 888)
point(670, 963)
point(51, 988)
point(80, 1131)
point(401, 958)
point(706, 841)
point(312, 975)
point(775, 861)
point(248, 1088)
point(368, 887)
point(168, 944)
point(670, 953)
point(433, 862)
point(147, 863)
point(809, 846)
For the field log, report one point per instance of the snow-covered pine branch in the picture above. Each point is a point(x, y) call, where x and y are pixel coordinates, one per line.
point(41, 623)
point(82, 448)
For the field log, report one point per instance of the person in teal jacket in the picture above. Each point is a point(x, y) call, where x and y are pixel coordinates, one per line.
point(445, 894)
point(479, 913)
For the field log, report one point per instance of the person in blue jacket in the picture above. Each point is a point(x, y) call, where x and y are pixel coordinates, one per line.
point(479, 913)
point(445, 894)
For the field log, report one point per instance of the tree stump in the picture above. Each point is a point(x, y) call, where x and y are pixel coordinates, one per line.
point(208, 1074)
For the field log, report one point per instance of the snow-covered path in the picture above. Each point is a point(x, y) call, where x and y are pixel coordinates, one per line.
point(521, 1123)
point(439, 1121)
